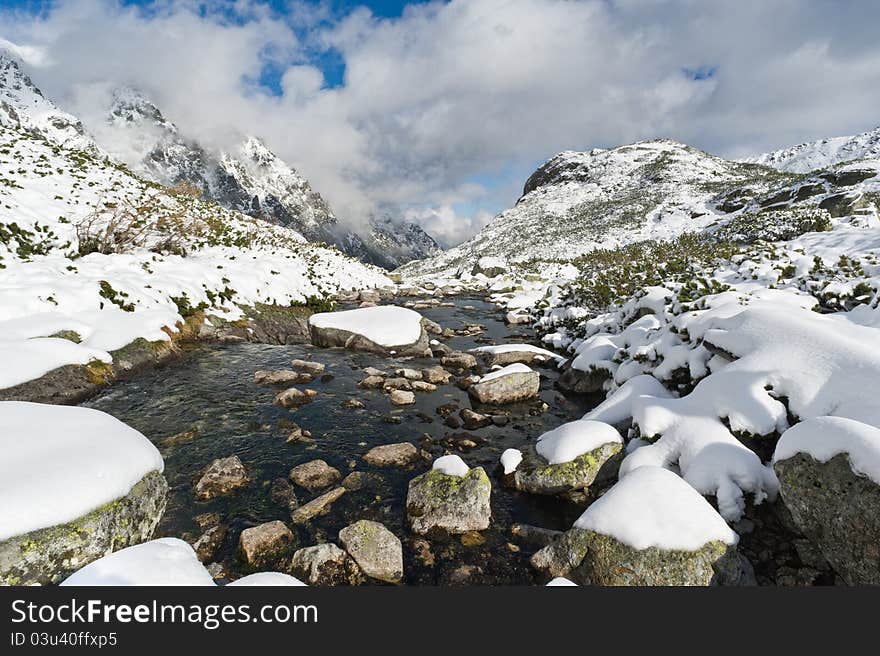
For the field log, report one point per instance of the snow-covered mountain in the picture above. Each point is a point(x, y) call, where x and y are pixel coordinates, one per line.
point(23, 105)
point(578, 201)
point(249, 178)
point(823, 153)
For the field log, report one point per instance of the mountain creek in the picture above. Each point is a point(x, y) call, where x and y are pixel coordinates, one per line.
point(210, 404)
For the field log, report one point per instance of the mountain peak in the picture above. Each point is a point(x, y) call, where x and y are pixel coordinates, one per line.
point(129, 105)
point(822, 153)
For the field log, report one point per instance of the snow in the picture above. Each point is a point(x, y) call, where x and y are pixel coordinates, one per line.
point(386, 325)
point(162, 562)
point(267, 579)
point(91, 457)
point(617, 408)
point(518, 348)
point(825, 437)
point(515, 368)
point(810, 156)
point(451, 466)
point(652, 507)
point(568, 441)
point(24, 360)
point(510, 460)
point(560, 581)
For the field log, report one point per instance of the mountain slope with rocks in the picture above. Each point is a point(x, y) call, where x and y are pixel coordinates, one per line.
point(822, 153)
point(249, 178)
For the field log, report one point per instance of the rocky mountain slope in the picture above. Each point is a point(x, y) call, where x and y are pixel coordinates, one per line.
point(823, 153)
point(89, 248)
point(251, 179)
point(576, 203)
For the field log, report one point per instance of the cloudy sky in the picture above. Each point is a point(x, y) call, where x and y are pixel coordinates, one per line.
point(440, 110)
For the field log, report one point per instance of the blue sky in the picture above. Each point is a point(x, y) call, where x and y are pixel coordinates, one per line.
point(441, 110)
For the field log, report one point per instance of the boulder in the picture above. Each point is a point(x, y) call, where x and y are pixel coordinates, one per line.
point(402, 397)
point(506, 354)
point(386, 329)
point(651, 528)
point(570, 458)
point(209, 543)
point(409, 374)
point(372, 382)
point(437, 502)
point(317, 506)
point(308, 366)
point(458, 360)
point(436, 375)
point(263, 544)
point(281, 377)
point(489, 266)
point(325, 564)
point(314, 475)
point(397, 384)
point(422, 386)
point(376, 550)
point(294, 398)
point(222, 476)
point(513, 383)
point(473, 420)
point(392, 455)
point(48, 555)
point(828, 470)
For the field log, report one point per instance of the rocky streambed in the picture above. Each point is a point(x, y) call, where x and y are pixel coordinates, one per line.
point(208, 406)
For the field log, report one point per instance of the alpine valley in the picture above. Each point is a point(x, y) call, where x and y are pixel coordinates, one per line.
point(658, 367)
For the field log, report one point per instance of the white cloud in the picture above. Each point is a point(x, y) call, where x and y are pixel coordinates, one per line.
point(454, 91)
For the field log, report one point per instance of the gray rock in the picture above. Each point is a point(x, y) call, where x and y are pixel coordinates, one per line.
point(308, 366)
point(376, 550)
point(209, 543)
point(329, 337)
point(51, 554)
point(837, 510)
point(281, 377)
point(222, 476)
point(591, 558)
point(436, 502)
point(510, 388)
point(422, 386)
point(402, 397)
point(409, 374)
point(263, 544)
point(397, 384)
point(536, 476)
point(318, 506)
point(294, 398)
point(281, 492)
point(458, 360)
point(358, 480)
point(436, 375)
point(402, 454)
point(372, 382)
point(472, 420)
point(325, 564)
point(314, 475)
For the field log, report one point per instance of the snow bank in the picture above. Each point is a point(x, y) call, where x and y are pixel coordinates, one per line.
point(26, 359)
point(825, 437)
point(267, 579)
point(451, 466)
point(567, 442)
point(510, 460)
point(385, 325)
point(515, 368)
point(560, 581)
point(618, 407)
point(60, 462)
point(164, 562)
point(652, 507)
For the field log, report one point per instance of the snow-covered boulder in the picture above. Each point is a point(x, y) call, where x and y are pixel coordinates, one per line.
point(489, 266)
point(75, 484)
point(617, 409)
point(570, 458)
point(515, 382)
point(829, 478)
point(651, 528)
point(167, 561)
point(450, 498)
point(504, 354)
point(384, 329)
point(376, 550)
point(267, 579)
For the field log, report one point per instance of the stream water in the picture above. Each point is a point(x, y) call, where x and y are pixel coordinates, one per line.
point(211, 389)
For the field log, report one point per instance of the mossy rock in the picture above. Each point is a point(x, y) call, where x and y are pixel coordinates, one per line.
point(837, 510)
point(437, 503)
point(51, 554)
point(536, 476)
